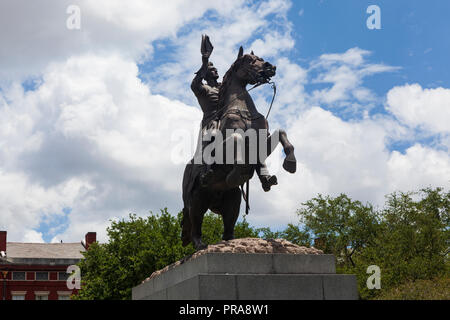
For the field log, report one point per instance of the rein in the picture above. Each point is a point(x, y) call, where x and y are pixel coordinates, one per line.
point(274, 87)
point(239, 95)
point(215, 113)
point(256, 78)
point(246, 193)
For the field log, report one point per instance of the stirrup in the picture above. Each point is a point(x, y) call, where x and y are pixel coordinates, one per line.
point(268, 181)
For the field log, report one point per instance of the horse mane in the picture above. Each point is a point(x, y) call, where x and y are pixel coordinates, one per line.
point(226, 82)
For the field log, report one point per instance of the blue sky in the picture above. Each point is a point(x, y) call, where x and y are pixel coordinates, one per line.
point(409, 30)
point(412, 39)
point(88, 116)
point(58, 223)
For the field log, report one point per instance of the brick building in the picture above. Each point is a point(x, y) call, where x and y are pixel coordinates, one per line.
point(37, 271)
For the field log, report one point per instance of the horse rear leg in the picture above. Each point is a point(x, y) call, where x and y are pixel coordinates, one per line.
point(186, 228)
point(230, 212)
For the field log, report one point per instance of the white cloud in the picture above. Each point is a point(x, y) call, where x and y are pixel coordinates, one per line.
point(91, 136)
point(23, 204)
point(34, 33)
point(33, 236)
point(95, 120)
point(291, 97)
point(419, 167)
point(263, 25)
point(427, 109)
point(272, 44)
point(94, 138)
point(336, 156)
point(345, 72)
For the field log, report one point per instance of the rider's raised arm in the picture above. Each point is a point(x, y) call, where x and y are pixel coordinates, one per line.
point(206, 49)
point(197, 84)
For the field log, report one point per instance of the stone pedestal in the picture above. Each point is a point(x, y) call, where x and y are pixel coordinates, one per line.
point(250, 276)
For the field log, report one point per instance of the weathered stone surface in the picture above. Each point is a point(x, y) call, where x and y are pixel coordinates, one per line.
point(242, 276)
point(245, 245)
point(256, 287)
point(249, 269)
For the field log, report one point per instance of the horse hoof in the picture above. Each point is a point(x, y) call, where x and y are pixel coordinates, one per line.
point(198, 244)
point(185, 241)
point(227, 237)
point(201, 246)
point(290, 164)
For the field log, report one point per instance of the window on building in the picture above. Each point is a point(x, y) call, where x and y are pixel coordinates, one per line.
point(18, 275)
point(41, 295)
point(18, 295)
point(42, 276)
point(64, 295)
point(63, 276)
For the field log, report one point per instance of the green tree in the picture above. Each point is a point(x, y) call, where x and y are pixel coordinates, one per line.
point(414, 237)
point(296, 234)
point(139, 246)
point(293, 233)
point(408, 238)
point(342, 226)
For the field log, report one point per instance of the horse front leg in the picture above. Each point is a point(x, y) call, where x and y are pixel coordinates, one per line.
point(230, 212)
point(280, 136)
point(199, 206)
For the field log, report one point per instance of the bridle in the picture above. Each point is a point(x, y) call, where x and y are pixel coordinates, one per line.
point(258, 80)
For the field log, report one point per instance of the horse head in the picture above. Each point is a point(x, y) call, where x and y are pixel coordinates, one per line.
point(252, 69)
point(247, 69)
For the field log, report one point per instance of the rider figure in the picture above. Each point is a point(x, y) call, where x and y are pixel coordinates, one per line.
point(208, 98)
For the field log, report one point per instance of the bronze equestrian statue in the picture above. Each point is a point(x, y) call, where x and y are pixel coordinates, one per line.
point(226, 106)
point(208, 98)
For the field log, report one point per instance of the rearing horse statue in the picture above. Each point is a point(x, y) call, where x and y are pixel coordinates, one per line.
point(238, 114)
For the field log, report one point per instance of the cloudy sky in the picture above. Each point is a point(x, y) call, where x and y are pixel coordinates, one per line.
point(97, 122)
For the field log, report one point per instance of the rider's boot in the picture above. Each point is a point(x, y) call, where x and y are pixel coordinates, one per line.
point(268, 181)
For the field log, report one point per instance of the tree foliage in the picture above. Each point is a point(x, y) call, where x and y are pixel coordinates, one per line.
point(293, 233)
point(137, 247)
point(341, 226)
point(408, 239)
